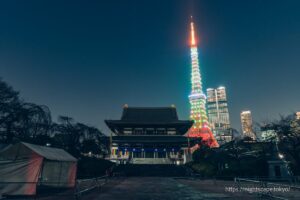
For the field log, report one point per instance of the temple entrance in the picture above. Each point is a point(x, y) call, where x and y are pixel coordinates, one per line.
point(277, 171)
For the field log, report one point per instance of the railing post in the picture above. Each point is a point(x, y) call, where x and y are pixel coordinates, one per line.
point(77, 194)
point(98, 182)
point(237, 180)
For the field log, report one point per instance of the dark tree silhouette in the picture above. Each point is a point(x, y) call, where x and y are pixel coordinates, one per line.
point(19, 119)
point(288, 133)
point(77, 137)
point(32, 123)
point(10, 105)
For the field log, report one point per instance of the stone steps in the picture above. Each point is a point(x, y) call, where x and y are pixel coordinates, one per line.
point(159, 170)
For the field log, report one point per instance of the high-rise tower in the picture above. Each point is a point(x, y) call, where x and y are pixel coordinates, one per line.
point(218, 115)
point(246, 119)
point(197, 99)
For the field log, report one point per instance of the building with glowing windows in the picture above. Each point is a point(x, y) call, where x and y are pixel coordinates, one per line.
point(247, 124)
point(268, 134)
point(297, 115)
point(218, 115)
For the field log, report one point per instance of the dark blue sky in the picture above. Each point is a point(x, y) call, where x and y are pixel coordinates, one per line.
point(86, 59)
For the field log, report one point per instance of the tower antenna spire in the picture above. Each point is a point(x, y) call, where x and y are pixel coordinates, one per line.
point(193, 40)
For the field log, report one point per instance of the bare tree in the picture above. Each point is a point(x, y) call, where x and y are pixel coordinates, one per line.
point(10, 104)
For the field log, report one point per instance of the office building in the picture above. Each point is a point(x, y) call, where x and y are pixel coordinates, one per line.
point(247, 124)
point(218, 115)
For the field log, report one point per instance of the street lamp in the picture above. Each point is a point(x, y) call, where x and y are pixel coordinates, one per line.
point(281, 156)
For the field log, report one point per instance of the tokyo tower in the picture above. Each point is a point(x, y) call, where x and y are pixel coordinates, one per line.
point(197, 99)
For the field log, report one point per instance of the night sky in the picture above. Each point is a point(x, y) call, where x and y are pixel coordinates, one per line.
point(86, 59)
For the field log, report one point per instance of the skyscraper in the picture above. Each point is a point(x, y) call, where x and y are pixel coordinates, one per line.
point(246, 119)
point(218, 115)
point(197, 99)
point(297, 115)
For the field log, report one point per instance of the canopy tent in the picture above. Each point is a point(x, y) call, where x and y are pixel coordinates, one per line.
point(2, 146)
point(25, 166)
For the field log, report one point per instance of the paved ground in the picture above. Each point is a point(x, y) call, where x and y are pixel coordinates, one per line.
point(165, 188)
point(155, 188)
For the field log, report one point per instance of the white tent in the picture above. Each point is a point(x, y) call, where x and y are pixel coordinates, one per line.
point(25, 166)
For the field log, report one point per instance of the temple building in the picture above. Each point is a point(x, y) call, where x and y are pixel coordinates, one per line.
point(150, 135)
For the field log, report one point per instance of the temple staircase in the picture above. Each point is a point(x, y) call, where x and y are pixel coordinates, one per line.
point(153, 161)
point(158, 170)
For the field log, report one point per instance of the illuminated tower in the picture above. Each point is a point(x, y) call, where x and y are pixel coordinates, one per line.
point(197, 99)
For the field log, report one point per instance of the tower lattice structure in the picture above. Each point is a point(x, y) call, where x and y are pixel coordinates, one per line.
point(197, 99)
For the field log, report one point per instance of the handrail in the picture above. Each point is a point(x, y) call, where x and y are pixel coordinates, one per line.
point(262, 183)
point(88, 179)
point(81, 185)
point(95, 184)
point(268, 183)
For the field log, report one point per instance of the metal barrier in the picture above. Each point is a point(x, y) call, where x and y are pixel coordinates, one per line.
point(81, 186)
point(266, 181)
point(86, 185)
point(264, 184)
